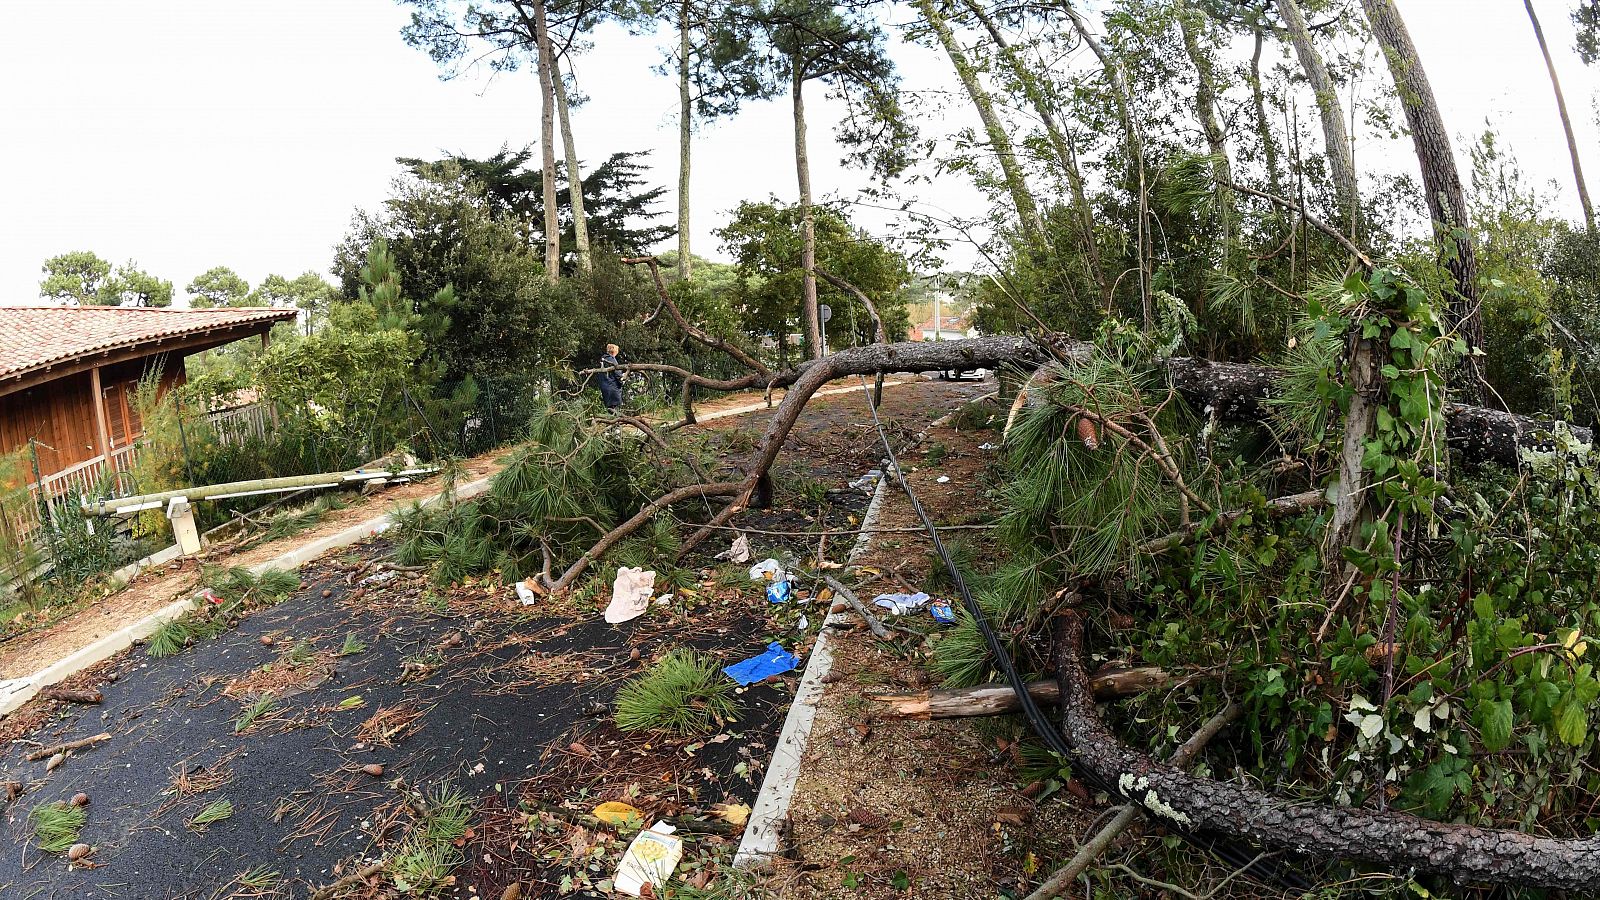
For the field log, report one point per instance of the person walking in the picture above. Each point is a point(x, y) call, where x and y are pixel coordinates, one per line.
point(610, 379)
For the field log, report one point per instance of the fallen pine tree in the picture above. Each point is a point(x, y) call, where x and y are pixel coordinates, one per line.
point(1113, 486)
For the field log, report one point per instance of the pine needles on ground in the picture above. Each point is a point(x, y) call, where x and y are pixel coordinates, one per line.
point(214, 812)
point(352, 645)
point(684, 693)
point(254, 713)
point(169, 639)
point(426, 857)
point(56, 826)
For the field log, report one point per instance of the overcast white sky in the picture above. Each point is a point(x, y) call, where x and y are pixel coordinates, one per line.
point(184, 135)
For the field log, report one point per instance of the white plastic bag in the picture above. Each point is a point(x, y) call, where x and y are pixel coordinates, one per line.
point(630, 594)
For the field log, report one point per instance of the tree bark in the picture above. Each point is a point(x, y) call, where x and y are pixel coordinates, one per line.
point(1341, 161)
point(1441, 182)
point(1349, 492)
point(1235, 391)
point(808, 223)
point(1010, 170)
point(685, 139)
point(1566, 121)
point(547, 145)
point(580, 221)
point(1230, 810)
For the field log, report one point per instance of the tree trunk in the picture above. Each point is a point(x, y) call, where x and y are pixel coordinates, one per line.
point(547, 146)
point(999, 139)
point(1393, 841)
point(808, 223)
point(1122, 93)
point(1190, 22)
point(1441, 182)
point(1258, 99)
point(1349, 495)
point(1566, 121)
point(1066, 154)
point(580, 221)
point(685, 136)
point(1341, 162)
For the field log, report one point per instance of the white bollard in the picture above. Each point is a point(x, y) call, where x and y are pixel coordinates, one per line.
point(181, 514)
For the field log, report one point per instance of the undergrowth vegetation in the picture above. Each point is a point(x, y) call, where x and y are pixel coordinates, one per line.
point(1435, 663)
point(238, 592)
point(571, 481)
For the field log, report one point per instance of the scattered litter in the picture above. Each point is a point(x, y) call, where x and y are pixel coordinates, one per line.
point(650, 859)
point(617, 813)
point(988, 447)
point(630, 594)
point(942, 613)
point(663, 600)
point(943, 479)
point(900, 604)
point(868, 481)
point(211, 597)
point(803, 624)
point(735, 814)
point(525, 594)
point(739, 552)
point(766, 570)
point(775, 661)
point(379, 578)
point(779, 591)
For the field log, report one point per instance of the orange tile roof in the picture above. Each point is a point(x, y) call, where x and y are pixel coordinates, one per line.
point(37, 337)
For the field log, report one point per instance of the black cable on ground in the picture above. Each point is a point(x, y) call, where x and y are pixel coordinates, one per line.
point(1267, 870)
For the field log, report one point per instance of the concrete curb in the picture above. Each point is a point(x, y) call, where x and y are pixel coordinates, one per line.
point(14, 692)
point(764, 833)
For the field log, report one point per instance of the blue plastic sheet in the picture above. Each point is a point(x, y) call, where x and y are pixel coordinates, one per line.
point(775, 661)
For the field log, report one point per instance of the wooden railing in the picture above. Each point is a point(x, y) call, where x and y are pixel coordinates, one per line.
point(107, 474)
point(88, 479)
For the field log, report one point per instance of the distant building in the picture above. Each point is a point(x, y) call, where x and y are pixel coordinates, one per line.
point(68, 377)
point(949, 328)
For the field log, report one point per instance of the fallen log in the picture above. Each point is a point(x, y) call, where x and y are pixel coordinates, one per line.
point(87, 696)
point(1058, 883)
point(1393, 840)
point(1235, 392)
point(1111, 683)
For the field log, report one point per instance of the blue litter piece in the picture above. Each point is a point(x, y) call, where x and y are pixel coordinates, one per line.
point(778, 591)
point(775, 661)
point(942, 612)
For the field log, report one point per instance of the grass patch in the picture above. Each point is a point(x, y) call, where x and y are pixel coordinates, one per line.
point(56, 826)
point(426, 857)
point(214, 812)
point(254, 713)
point(684, 693)
point(352, 645)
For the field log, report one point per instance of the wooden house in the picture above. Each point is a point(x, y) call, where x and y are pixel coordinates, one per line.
point(68, 377)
